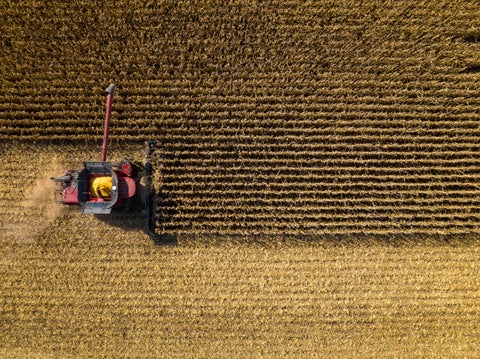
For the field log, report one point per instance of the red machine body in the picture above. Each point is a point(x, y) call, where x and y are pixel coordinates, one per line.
point(99, 186)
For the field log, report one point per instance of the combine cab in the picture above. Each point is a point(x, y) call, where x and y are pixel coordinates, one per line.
point(99, 186)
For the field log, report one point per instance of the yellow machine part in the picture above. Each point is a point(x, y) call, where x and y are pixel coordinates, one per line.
point(101, 187)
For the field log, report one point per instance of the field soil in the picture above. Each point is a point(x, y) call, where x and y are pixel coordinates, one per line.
point(315, 172)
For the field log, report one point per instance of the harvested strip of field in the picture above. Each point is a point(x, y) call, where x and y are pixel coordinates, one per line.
point(99, 292)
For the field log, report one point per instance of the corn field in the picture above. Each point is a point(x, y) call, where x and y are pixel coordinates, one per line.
point(273, 118)
point(315, 174)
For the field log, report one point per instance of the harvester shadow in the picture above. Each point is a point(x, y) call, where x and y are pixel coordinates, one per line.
point(164, 210)
point(140, 215)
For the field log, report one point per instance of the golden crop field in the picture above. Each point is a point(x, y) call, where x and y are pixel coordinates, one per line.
point(316, 178)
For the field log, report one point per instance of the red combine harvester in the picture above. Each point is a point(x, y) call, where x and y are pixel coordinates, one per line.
point(99, 186)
